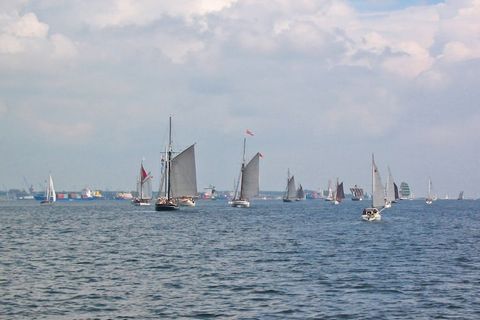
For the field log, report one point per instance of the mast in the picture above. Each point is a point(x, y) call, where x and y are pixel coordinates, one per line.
point(243, 168)
point(169, 156)
point(373, 178)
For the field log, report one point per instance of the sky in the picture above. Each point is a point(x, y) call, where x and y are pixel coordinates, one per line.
point(86, 89)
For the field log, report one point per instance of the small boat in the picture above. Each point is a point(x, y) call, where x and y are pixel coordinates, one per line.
point(144, 188)
point(429, 198)
point(378, 196)
point(339, 194)
point(248, 181)
point(357, 193)
point(300, 193)
point(50, 195)
point(290, 192)
point(186, 202)
point(179, 177)
point(460, 196)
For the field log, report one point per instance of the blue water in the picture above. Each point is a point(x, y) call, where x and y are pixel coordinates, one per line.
point(310, 259)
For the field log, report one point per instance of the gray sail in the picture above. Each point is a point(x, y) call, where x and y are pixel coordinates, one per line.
point(250, 178)
point(291, 190)
point(183, 176)
point(378, 191)
point(390, 189)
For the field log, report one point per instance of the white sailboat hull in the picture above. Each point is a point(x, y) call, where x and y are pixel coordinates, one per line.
point(371, 214)
point(186, 202)
point(240, 203)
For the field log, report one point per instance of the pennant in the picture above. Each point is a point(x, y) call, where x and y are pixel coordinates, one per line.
point(250, 133)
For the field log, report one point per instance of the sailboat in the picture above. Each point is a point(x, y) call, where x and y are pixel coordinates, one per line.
point(330, 191)
point(460, 196)
point(389, 190)
point(300, 193)
point(290, 192)
point(50, 195)
point(357, 193)
point(339, 194)
point(429, 198)
point(144, 188)
point(248, 182)
point(178, 179)
point(378, 196)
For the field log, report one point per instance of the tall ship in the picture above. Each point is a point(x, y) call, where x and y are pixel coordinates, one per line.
point(178, 179)
point(357, 193)
point(248, 184)
point(144, 188)
point(405, 192)
point(290, 191)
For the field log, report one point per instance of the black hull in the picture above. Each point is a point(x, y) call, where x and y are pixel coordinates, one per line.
point(166, 207)
point(287, 200)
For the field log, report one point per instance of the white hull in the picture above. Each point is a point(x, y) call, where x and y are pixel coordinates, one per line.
point(141, 204)
point(186, 202)
point(371, 214)
point(336, 202)
point(388, 204)
point(428, 201)
point(240, 203)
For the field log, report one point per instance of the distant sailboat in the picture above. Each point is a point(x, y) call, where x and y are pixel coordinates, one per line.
point(460, 196)
point(330, 192)
point(50, 195)
point(179, 178)
point(248, 183)
point(144, 188)
point(378, 196)
point(389, 190)
point(429, 198)
point(339, 194)
point(300, 193)
point(357, 193)
point(290, 191)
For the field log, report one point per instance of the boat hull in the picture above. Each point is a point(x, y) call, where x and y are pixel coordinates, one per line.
point(240, 203)
point(141, 202)
point(287, 200)
point(186, 202)
point(371, 214)
point(166, 205)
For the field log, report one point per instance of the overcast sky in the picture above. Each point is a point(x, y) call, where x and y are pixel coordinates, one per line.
point(86, 88)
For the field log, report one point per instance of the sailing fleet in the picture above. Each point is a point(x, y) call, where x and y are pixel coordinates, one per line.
point(178, 185)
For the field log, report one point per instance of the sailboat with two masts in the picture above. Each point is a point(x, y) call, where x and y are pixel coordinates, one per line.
point(300, 193)
point(378, 196)
point(50, 195)
point(144, 188)
point(290, 191)
point(179, 177)
point(339, 194)
point(248, 184)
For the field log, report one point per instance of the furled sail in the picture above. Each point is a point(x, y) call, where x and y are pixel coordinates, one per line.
point(250, 178)
point(183, 176)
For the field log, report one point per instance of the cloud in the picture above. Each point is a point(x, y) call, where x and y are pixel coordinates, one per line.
point(28, 26)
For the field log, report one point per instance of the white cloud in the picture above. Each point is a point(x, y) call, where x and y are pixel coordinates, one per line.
point(28, 26)
point(63, 47)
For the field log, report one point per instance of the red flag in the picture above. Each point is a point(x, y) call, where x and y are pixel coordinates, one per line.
point(143, 173)
point(249, 132)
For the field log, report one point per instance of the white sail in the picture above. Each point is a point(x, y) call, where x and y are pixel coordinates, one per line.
point(250, 178)
point(390, 188)
point(378, 191)
point(52, 194)
point(183, 176)
point(291, 189)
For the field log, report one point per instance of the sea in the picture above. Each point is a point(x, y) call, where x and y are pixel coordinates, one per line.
point(301, 260)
